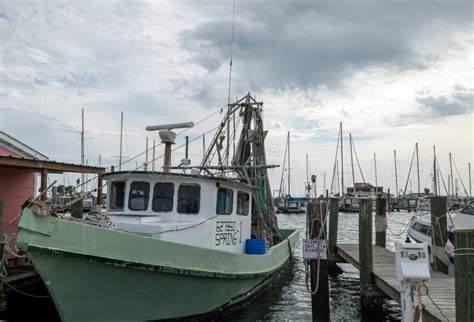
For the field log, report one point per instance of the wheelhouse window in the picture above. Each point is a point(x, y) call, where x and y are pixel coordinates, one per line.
point(117, 195)
point(139, 195)
point(243, 203)
point(163, 194)
point(225, 199)
point(189, 198)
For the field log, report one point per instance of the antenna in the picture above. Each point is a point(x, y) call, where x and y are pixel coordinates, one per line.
point(167, 137)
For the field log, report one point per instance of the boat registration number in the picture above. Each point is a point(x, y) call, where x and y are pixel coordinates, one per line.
point(228, 233)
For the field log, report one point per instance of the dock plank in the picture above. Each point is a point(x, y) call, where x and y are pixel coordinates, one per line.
point(441, 286)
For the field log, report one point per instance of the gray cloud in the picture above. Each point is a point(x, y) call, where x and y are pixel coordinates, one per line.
point(435, 107)
point(303, 44)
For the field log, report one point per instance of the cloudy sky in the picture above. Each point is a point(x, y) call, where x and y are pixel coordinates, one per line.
point(394, 72)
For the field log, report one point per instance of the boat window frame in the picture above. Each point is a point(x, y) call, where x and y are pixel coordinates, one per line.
point(153, 196)
point(228, 193)
point(113, 198)
point(145, 199)
point(239, 210)
point(179, 209)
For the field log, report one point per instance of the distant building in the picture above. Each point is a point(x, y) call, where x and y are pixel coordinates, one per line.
point(16, 185)
point(365, 188)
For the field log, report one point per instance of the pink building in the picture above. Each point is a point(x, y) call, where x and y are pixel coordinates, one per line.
point(16, 185)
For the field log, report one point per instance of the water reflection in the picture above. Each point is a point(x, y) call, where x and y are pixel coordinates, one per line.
point(288, 299)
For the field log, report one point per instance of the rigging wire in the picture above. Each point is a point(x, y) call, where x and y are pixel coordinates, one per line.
point(409, 171)
point(335, 162)
point(357, 159)
point(459, 176)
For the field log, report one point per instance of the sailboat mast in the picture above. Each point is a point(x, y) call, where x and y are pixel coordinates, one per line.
point(342, 162)
point(82, 151)
point(418, 168)
point(352, 163)
point(470, 182)
point(435, 179)
point(289, 165)
point(396, 174)
point(121, 138)
point(451, 172)
point(376, 182)
point(308, 185)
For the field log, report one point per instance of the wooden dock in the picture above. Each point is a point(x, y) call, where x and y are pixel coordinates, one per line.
point(441, 286)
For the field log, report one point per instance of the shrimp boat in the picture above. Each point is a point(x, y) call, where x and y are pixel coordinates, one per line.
point(171, 244)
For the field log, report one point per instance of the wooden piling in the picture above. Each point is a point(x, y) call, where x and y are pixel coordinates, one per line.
point(367, 287)
point(316, 216)
point(333, 227)
point(438, 232)
point(380, 221)
point(464, 273)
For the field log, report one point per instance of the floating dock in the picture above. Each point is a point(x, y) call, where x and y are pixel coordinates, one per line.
point(440, 286)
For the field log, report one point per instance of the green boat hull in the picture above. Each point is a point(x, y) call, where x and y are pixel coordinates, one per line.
point(96, 274)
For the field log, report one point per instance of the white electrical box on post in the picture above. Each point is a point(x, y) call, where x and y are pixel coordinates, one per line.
point(412, 269)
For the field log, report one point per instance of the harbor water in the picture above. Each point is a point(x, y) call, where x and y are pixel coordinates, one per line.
point(287, 298)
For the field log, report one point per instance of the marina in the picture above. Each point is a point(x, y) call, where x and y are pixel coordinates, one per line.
point(236, 161)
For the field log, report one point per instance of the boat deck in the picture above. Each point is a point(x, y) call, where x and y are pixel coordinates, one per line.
point(441, 286)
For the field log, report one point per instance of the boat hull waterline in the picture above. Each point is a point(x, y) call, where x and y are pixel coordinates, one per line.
point(95, 273)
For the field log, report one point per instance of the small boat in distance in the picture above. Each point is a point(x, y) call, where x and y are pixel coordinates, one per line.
point(170, 245)
point(285, 202)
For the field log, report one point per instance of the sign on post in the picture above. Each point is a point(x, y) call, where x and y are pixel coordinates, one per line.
point(315, 249)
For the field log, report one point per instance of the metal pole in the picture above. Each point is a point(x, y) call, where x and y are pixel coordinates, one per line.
point(121, 135)
point(470, 182)
point(376, 182)
point(82, 151)
point(352, 164)
point(396, 174)
point(435, 180)
point(289, 166)
point(342, 163)
point(418, 168)
point(451, 172)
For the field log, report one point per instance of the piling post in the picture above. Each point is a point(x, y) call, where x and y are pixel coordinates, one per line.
point(2, 297)
point(316, 216)
point(333, 227)
point(380, 221)
point(464, 277)
point(438, 232)
point(367, 288)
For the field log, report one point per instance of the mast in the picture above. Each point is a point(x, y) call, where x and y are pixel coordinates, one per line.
point(451, 173)
point(435, 180)
point(308, 185)
point(417, 168)
point(121, 137)
point(324, 182)
point(342, 162)
point(289, 166)
point(396, 174)
point(82, 151)
point(449, 185)
point(470, 182)
point(352, 164)
point(376, 183)
point(146, 154)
